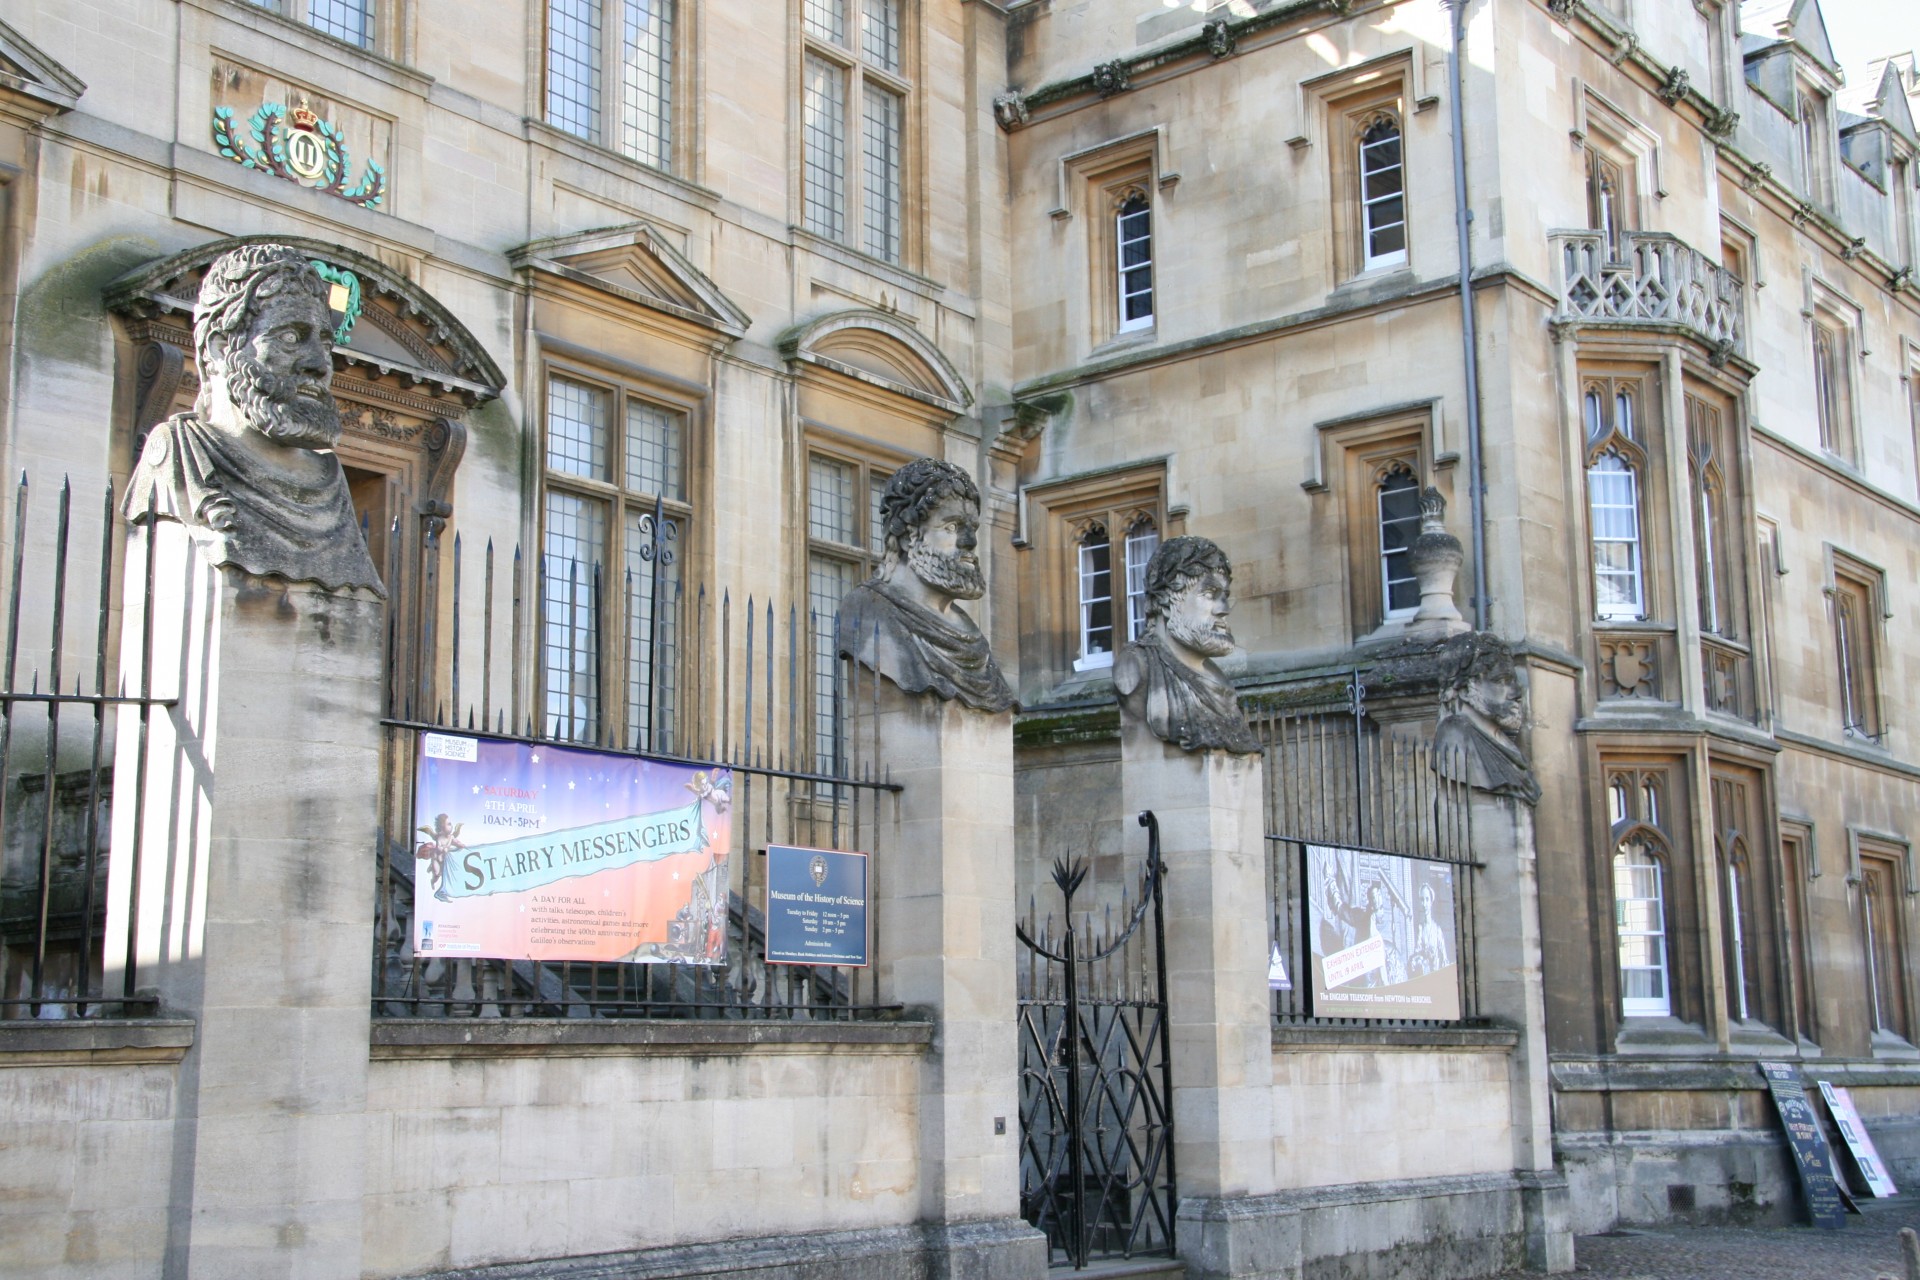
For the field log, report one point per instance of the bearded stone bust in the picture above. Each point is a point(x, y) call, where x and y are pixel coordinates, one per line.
point(251, 467)
point(1478, 738)
point(904, 623)
point(1167, 679)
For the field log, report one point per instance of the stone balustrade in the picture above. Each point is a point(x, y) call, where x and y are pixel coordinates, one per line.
point(1654, 278)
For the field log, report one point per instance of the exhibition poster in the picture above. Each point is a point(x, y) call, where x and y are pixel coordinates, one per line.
point(532, 851)
point(1380, 935)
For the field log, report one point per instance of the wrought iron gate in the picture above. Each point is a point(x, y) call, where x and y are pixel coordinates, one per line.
point(1096, 1087)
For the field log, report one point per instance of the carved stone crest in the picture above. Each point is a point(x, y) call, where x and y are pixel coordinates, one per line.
point(296, 144)
point(1167, 679)
point(1110, 78)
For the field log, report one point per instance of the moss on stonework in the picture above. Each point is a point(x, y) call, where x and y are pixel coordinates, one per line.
point(493, 437)
point(61, 314)
point(1058, 728)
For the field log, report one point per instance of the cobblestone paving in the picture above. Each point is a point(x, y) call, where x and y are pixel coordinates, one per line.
point(1868, 1248)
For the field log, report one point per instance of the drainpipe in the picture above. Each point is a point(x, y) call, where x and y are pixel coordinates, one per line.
point(1469, 341)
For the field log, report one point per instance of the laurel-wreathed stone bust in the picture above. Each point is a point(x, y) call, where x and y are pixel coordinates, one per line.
point(1167, 679)
point(904, 622)
point(251, 467)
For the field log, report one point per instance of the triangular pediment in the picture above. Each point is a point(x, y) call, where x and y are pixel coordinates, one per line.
point(638, 263)
point(25, 69)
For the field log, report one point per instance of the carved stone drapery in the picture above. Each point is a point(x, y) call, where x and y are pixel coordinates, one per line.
point(404, 380)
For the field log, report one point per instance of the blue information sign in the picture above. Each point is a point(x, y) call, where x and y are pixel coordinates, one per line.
point(816, 906)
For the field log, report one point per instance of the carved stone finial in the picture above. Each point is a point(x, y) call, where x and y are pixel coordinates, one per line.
point(1219, 37)
point(1110, 78)
point(1166, 679)
point(250, 468)
point(1478, 738)
point(904, 623)
point(1435, 557)
point(1010, 110)
point(1676, 86)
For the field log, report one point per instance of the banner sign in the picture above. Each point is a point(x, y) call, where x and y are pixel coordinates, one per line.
point(1380, 936)
point(816, 906)
point(527, 851)
point(1811, 1156)
point(1859, 1143)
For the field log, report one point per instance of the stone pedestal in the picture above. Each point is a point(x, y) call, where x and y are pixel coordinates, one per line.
point(944, 946)
point(1213, 841)
point(1507, 925)
point(253, 822)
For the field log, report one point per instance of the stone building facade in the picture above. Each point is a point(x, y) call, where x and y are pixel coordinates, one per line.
point(1142, 269)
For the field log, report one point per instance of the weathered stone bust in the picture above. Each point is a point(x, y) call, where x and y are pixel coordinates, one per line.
point(1477, 739)
point(904, 623)
point(1167, 679)
point(251, 467)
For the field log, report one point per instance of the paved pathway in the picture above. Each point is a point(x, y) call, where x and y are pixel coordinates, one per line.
point(1868, 1248)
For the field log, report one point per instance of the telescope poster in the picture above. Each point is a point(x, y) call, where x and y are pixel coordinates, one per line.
point(531, 851)
point(1380, 936)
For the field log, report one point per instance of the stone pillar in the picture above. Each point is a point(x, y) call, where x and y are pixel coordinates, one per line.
point(1210, 806)
point(944, 946)
point(253, 815)
point(1507, 927)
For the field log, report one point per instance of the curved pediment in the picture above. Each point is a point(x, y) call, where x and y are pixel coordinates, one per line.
point(877, 347)
point(398, 329)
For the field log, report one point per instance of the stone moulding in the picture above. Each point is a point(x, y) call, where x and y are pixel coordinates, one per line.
point(410, 1038)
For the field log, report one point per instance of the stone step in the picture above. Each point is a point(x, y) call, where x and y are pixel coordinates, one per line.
point(1125, 1269)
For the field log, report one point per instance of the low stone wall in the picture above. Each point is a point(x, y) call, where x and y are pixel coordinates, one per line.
point(1372, 1106)
point(492, 1143)
point(1652, 1143)
point(87, 1113)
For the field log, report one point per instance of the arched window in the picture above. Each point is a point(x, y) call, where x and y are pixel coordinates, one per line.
point(1741, 970)
point(1640, 925)
point(1397, 507)
point(1383, 195)
point(1133, 241)
point(1142, 537)
point(1096, 598)
point(1713, 572)
point(1614, 462)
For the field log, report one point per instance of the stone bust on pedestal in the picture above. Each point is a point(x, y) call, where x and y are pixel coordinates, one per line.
point(904, 623)
point(1167, 679)
point(251, 469)
point(1478, 738)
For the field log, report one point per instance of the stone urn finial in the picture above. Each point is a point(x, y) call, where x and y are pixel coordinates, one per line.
point(1436, 557)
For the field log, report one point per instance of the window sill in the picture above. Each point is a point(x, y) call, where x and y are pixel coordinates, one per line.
point(1661, 1034)
point(1093, 662)
point(1131, 340)
point(618, 163)
point(1888, 1046)
point(312, 40)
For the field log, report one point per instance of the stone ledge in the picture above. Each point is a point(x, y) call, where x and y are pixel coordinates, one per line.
point(401, 1038)
point(37, 1043)
point(1479, 1039)
point(1600, 1075)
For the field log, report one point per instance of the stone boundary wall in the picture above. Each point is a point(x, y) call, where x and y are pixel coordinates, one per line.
point(87, 1119)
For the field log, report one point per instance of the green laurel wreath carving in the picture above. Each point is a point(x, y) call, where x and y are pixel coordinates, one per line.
point(341, 276)
point(267, 152)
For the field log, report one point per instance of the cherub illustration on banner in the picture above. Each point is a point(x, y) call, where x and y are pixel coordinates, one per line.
point(442, 840)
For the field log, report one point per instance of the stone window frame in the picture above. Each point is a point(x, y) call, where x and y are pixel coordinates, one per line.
point(1882, 871)
point(1095, 182)
point(1663, 829)
point(1746, 881)
point(1814, 140)
point(1344, 106)
point(383, 22)
point(1059, 513)
point(1799, 868)
point(612, 701)
point(1122, 204)
point(1613, 144)
point(1910, 380)
point(1355, 455)
point(1713, 489)
point(1835, 333)
point(1634, 439)
point(610, 107)
point(1856, 594)
point(859, 72)
point(870, 467)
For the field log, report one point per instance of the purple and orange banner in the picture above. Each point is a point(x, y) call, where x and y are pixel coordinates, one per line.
point(531, 851)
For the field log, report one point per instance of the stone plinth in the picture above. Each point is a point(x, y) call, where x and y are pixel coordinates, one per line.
point(944, 945)
point(255, 817)
point(1213, 842)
